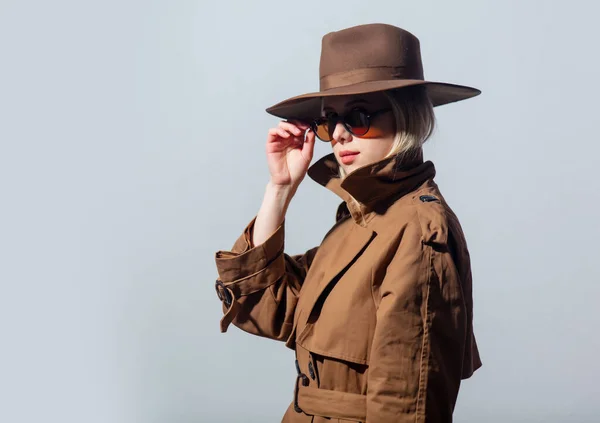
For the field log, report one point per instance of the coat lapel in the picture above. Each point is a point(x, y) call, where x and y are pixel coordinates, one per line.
point(357, 240)
point(369, 185)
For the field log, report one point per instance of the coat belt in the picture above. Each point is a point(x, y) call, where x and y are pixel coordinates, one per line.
point(327, 403)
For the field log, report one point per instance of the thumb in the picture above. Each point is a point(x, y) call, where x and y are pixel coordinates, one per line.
point(309, 144)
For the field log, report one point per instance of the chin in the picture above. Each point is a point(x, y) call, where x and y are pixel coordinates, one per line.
point(349, 168)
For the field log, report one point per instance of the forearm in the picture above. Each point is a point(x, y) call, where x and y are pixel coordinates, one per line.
point(259, 286)
point(272, 211)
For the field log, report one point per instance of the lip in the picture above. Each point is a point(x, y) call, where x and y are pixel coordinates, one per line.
point(347, 153)
point(348, 157)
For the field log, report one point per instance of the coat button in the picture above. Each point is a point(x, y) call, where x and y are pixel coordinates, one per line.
point(428, 198)
point(311, 370)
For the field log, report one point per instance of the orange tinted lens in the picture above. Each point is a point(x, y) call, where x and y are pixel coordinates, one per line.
point(323, 131)
point(357, 121)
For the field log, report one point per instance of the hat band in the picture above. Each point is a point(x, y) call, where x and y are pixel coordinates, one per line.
point(379, 73)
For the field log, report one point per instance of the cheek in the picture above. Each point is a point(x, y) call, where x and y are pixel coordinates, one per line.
point(376, 148)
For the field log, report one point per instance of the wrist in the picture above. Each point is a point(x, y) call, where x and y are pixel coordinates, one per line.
point(281, 191)
point(279, 197)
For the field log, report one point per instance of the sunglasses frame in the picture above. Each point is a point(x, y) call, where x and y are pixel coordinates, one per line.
point(337, 118)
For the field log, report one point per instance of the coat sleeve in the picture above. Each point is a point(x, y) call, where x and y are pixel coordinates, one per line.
point(259, 285)
point(416, 358)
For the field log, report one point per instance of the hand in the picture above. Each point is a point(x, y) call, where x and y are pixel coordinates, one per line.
point(288, 153)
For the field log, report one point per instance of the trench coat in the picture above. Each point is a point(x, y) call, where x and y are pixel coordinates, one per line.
point(379, 314)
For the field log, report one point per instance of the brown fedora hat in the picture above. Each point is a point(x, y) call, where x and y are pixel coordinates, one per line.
point(364, 59)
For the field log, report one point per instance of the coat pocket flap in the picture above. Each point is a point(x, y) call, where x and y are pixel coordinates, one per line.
point(343, 346)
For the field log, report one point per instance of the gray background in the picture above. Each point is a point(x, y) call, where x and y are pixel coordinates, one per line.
point(132, 148)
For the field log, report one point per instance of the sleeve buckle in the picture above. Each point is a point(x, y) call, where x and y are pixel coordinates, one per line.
point(223, 293)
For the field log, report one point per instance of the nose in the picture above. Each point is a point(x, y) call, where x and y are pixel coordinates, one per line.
point(341, 134)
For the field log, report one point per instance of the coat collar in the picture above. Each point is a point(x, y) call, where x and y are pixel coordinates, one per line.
point(372, 185)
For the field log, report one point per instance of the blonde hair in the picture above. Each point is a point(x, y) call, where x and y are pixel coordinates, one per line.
point(415, 123)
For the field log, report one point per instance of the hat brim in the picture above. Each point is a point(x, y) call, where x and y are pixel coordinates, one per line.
point(308, 106)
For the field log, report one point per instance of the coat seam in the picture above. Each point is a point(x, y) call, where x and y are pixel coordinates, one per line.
point(270, 288)
point(372, 283)
point(424, 361)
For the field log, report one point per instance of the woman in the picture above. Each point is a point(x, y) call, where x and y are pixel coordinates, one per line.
point(380, 313)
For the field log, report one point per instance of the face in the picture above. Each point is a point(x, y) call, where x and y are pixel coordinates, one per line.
point(371, 147)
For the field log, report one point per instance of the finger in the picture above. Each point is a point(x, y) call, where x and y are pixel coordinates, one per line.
point(283, 133)
point(309, 144)
point(298, 123)
point(279, 136)
point(291, 128)
point(273, 135)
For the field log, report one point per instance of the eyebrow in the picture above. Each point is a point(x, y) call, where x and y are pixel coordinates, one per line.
point(348, 104)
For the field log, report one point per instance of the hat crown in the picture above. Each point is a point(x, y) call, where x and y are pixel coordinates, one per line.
point(368, 58)
point(382, 50)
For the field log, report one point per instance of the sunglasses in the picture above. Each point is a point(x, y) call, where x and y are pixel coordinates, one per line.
point(356, 121)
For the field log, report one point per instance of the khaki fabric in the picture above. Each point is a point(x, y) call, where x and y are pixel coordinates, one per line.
point(380, 314)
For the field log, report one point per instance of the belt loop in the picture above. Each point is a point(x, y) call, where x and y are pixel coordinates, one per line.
point(305, 382)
